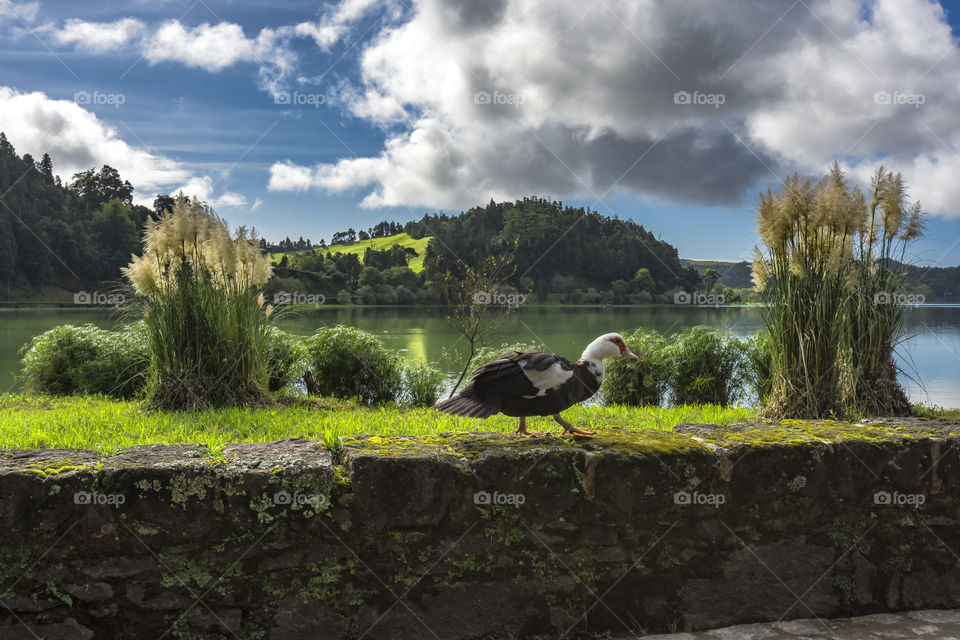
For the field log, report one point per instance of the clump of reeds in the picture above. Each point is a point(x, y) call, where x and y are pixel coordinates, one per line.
point(828, 253)
point(206, 319)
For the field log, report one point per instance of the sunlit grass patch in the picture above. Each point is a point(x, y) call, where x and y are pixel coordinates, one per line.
point(378, 244)
point(96, 422)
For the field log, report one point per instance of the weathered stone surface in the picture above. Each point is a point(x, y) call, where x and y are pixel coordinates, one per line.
point(69, 629)
point(942, 625)
point(473, 536)
point(768, 581)
point(166, 600)
point(297, 618)
point(396, 492)
point(119, 567)
point(90, 592)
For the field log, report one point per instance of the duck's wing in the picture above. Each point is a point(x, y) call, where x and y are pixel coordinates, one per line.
point(525, 374)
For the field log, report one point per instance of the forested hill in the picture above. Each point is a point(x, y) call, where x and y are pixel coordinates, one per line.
point(736, 275)
point(65, 235)
point(558, 249)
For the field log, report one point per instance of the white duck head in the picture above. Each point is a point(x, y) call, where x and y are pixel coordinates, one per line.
point(609, 345)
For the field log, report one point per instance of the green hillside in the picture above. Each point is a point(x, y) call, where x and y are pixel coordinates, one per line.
point(736, 275)
point(358, 248)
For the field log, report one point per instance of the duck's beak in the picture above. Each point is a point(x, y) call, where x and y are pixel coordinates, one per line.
point(629, 354)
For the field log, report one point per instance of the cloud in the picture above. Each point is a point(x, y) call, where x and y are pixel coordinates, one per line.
point(202, 188)
point(209, 47)
point(684, 102)
point(335, 24)
point(19, 11)
point(256, 204)
point(77, 140)
point(285, 176)
point(99, 37)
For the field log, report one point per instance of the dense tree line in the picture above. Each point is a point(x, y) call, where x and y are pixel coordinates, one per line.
point(736, 275)
point(287, 245)
point(71, 235)
point(380, 230)
point(79, 234)
point(561, 253)
point(933, 283)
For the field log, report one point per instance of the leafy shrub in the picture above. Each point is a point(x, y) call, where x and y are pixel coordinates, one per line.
point(422, 383)
point(350, 363)
point(206, 319)
point(68, 360)
point(284, 358)
point(708, 367)
point(639, 382)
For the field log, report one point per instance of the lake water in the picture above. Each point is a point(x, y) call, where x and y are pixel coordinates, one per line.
point(930, 354)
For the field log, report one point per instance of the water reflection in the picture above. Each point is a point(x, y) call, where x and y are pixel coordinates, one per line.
point(930, 352)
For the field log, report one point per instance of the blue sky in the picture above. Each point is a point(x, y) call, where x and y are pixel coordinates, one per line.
point(583, 107)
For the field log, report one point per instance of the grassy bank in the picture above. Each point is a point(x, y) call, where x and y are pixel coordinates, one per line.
point(41, 422)
point(377, 244)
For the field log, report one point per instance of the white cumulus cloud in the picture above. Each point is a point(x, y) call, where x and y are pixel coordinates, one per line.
point(19, 11)
point(99, 37)
point(210, 47)
point(202, 187)
point(77, 140)
point(696, 101)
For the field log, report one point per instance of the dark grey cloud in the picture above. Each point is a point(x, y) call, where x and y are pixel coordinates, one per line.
point(560, 97)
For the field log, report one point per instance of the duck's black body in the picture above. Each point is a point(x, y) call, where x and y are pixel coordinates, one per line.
point(522, 385)
point(536, 384)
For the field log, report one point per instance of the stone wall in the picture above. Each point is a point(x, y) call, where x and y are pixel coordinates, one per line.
point(481, 535)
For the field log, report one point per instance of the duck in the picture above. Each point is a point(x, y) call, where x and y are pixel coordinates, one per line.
point(535, 383)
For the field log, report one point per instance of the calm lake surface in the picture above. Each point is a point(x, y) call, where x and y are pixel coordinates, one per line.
point(930, 354)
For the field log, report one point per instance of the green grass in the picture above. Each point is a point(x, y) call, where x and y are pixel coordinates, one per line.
point(96, 422)
point(935, 412)
point(358, 248)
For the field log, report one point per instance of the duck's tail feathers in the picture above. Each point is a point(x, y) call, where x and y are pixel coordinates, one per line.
point(468, 406)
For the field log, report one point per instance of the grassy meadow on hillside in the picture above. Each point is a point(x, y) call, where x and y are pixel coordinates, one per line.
point(377, 244)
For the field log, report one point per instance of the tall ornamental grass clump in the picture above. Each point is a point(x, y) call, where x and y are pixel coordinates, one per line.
point(874, 323)
point(205, 316)
point(827, 255)
point(69, 360)
point(759, 352)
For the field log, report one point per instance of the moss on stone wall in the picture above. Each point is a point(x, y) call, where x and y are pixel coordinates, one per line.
point(699, 527)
